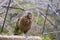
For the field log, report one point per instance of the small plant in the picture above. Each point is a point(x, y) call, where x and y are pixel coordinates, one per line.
point(45, 38)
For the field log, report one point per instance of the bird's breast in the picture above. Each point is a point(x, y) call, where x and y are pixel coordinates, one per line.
point(25, 24)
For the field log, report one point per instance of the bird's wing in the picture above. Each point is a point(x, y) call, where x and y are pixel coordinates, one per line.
point(17, 30)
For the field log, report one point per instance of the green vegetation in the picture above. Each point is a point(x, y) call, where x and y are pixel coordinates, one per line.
point(6, 32)
point(40, 20)
point(45, 38)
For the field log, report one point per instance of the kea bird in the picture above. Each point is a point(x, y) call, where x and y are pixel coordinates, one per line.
point(23, 23)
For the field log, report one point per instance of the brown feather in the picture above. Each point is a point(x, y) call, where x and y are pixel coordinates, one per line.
point(24, 23)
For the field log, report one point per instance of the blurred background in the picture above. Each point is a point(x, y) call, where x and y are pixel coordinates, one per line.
point(46, 16)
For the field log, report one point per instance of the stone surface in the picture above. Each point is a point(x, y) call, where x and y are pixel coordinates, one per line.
point(2, 37)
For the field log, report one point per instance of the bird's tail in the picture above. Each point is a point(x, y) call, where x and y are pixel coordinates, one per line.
point(17, 32)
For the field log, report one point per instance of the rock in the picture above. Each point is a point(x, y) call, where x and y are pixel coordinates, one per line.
point(19, 38)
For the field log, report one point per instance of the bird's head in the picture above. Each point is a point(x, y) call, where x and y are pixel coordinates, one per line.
point(28, 15)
